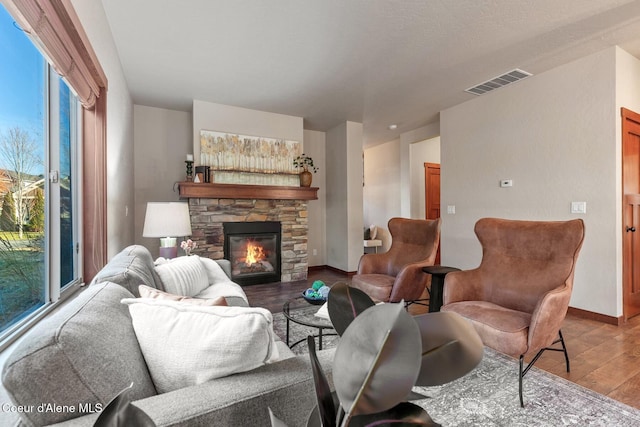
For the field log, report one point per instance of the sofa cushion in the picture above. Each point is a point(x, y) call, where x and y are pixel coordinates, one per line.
point(149, 292)
point(183, 275)
point(130, 268)
point(83, 354)
point(185, 345)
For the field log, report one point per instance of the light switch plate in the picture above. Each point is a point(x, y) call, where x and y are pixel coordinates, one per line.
point(451, 209)
point(506, 183)
point(578, 207)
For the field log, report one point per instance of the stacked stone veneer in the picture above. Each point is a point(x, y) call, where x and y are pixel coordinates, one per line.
point(207, 216)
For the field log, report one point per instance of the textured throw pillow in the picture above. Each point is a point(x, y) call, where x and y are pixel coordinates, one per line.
point(149, 292)
point(183, 276)
point(186, 344)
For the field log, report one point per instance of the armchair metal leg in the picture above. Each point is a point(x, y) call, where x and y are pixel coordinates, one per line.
point(522, 372)
point(520, 375)
point(564, 349)
point(417, 301)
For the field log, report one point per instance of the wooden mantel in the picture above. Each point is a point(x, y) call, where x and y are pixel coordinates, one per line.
point(242, 191)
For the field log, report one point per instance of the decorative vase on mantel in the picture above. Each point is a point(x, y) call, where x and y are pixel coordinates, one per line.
point(305, 178)
point(305, 162)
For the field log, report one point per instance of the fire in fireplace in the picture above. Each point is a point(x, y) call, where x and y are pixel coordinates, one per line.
point(253, 248)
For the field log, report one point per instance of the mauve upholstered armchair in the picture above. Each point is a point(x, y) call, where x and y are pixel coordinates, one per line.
point(518, 297)
point(397, 274)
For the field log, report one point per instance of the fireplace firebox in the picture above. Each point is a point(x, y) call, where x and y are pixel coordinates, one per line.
point(253, 249)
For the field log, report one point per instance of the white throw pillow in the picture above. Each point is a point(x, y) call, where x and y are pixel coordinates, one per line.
point(183, 276)
point(215, 273)
point(185, 344)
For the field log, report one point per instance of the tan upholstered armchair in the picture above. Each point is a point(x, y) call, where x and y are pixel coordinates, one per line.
point(518, 297)
point(397, 274)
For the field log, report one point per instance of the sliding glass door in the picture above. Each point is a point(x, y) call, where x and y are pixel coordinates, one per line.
point(39, 128)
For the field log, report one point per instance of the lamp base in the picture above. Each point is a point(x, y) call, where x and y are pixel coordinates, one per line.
point(169, 252)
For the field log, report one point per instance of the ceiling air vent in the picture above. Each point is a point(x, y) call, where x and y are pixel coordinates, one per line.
point(503, 80)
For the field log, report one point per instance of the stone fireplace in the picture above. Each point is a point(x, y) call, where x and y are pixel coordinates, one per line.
point(212, 205)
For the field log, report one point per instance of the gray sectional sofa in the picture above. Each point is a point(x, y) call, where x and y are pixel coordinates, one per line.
point(75, 361)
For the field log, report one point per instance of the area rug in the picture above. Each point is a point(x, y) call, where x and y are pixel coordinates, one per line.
point(488, 396)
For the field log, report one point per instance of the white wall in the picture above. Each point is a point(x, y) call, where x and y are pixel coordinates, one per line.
point(225, 118)
point(354, 186)
point(314, 146)
point(381, 192)
point(557, 136)
point(344, 196)
point(161, 140)
point(120, 164)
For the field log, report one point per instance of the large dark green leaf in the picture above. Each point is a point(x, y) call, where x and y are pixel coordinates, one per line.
point(314, 416)
point(121, 413)
point(344, 303)
point(415, 396)
point(403, 414)
point(377, 360)
point(451, 347)
point(326, 408)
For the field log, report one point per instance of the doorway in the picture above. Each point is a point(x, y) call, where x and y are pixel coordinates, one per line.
point(432, 195)
point(631, 213)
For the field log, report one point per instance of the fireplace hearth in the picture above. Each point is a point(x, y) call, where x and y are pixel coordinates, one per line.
point(253, 249)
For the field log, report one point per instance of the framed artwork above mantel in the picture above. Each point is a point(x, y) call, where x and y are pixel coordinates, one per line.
point(253, 160)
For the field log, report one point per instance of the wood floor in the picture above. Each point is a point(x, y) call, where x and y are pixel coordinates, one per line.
point(604, 358)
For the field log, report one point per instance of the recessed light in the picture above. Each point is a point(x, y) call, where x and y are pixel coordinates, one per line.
point(392, 127)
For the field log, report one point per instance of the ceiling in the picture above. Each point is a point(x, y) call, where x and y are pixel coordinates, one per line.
point(377, 62)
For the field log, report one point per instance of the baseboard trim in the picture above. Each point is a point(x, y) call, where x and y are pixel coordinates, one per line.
point(328, 267)
point(590, 315)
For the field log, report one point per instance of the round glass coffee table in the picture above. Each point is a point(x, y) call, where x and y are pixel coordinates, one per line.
point(298, 310)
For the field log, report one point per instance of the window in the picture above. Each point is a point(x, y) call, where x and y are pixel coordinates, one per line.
point(39, 152)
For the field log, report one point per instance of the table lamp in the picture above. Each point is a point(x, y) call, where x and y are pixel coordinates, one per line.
point(167, 220)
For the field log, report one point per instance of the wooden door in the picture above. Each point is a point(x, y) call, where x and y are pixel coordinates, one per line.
point(432, 194)
point(631, 212)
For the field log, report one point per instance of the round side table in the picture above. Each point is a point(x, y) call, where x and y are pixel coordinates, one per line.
point(437, 272)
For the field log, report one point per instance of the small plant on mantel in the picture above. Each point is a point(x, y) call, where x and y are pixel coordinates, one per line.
point(305, 163)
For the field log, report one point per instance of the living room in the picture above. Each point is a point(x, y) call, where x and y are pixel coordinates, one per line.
point(556, 135)
point(538, 138)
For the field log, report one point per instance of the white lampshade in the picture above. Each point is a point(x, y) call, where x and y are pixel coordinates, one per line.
point(167, 219)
